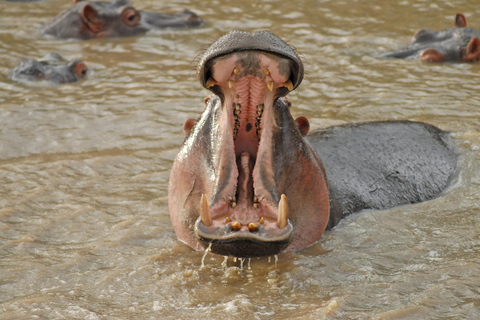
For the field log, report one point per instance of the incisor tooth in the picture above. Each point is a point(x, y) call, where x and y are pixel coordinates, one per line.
point(230, 84)
point(236, 70)
point(210, 83)
point(289, 85)
point(205, 211)
point(282, 212)
point(266, 72)
point(270, 85)
point(236, 225)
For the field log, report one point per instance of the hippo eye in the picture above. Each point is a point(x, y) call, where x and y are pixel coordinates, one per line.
point(130, 16)
point(80, 70)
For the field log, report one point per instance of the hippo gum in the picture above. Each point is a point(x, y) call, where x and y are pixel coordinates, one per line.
point(52, 68)
point(459, 44)
point(118, 18)
point(251, 181)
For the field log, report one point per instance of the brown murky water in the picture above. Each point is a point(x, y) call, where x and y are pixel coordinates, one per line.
point(84, 225)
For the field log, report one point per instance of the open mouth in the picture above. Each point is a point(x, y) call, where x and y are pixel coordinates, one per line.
point(246, 207)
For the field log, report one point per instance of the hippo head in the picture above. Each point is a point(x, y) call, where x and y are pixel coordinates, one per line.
point(459, 44)
point(245, 182)
point(118, 18)
point(51, 68)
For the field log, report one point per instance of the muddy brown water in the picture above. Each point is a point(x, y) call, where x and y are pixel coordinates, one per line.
point(84, 169)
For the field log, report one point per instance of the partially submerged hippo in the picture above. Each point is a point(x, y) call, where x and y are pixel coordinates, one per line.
point(51, 68)
point(459, 44)
point(118, 18)
point(249, 182)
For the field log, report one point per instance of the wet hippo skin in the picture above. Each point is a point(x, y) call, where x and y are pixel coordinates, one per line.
point(52, 68)
point(251, 181)
point(117, 18)
point(459, 44)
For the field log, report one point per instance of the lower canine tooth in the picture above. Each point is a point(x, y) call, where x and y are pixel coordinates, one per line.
point(282, 212)
point(270, 85)
point(205, 211)
point(230, 84)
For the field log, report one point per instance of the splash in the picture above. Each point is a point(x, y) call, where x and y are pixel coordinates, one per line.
point(205, 254)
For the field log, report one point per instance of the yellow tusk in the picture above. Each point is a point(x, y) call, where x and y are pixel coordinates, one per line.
point(282, 212)
point(205, 211)
point(266, 72)
point(210, 83)
point(289, 85)
point(270, 85)
point(231, 83)
point(236, 70)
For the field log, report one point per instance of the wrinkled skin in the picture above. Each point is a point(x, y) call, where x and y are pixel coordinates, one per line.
point(52, 68)
point(246, 164)
point(118, 18)
point(459, 44)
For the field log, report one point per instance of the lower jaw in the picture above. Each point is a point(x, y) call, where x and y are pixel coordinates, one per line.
point(244, 244)
point(244, 248)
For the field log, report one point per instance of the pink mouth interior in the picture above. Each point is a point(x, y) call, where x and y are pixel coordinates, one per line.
point(248, 81)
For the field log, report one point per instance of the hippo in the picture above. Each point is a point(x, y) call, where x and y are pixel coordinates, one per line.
point(459, 44)
point(251, 181)
point(118, 18)
point(51, 68)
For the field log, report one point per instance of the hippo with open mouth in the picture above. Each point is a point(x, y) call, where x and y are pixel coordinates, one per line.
point(118, 18)
point(459, 44)
point(249, 182)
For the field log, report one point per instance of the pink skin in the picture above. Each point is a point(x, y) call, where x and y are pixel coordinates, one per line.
point(232, 157)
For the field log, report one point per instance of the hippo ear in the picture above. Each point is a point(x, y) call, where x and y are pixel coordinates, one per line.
point(431, 55)
point(303, 125)
point(188, 125)
point(472, 53)
point(130, 16)
point(460, 21)
point(78, 68)
point(91, 19)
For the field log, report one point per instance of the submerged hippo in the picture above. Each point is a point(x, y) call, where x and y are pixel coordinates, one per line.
point(51, 68)
point(459, 44)
point(249, 181)
point(118, 18)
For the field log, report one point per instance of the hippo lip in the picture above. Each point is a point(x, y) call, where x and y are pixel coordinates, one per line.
point(245, 207)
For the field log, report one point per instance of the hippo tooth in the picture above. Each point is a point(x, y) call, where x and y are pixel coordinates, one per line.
point(230, 84)
point(205, 211)
point(253, 226)
point(210, 83)
point(282, 212)
point(270, 85)
point(266, 72)
point(289, 85)
point(262, 220)
point(236, 225)
point(236, 70)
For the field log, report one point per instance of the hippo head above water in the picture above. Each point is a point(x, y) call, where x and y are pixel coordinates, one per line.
point(459, 44)
point(248, 180)
point(52, 68)
point(243, 203)
point(118, 18)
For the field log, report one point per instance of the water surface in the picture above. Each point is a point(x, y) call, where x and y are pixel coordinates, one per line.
point(84, 168)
